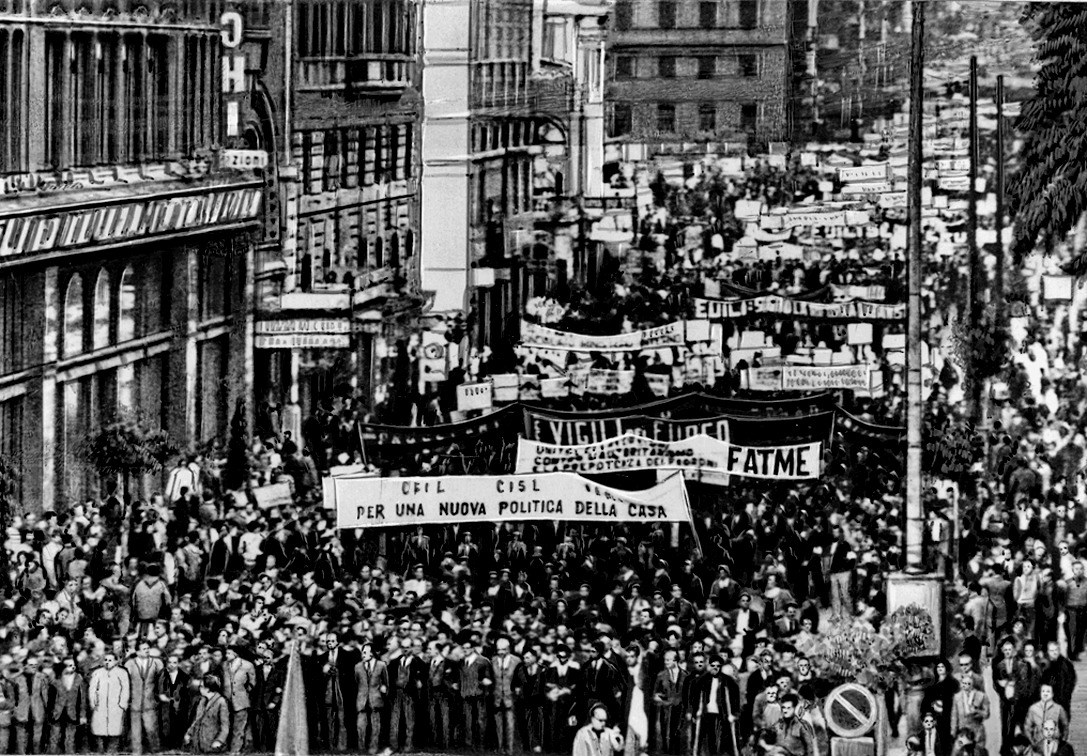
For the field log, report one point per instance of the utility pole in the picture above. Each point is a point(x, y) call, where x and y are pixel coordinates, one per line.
point(915, 516)
point(973, 267)
point(998, 279)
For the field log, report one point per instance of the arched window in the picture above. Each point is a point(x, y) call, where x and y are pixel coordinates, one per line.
point(126, 308)
point(101, 311)
point(73, 317)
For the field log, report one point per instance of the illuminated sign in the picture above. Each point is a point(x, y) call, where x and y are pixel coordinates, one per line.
point(124, 221)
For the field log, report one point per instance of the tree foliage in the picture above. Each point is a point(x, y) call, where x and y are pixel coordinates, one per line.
point(126, 447)
point(1048, 193)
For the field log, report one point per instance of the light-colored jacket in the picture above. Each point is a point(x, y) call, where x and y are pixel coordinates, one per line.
point(586, 743)
point(239, 683)
point(109, 701)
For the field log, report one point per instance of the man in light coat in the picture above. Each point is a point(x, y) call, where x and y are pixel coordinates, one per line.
point(145, 685)
point(505, 667)
point(592, 739)
point(970, 709)
point(239, 680)
point(108, 697)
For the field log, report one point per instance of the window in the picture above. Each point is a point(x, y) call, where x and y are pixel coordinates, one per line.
point(666, 117)
point(622, 121)
point(73, 317)
point(101, 311)
point(12, 324)
point(624, 67)
point(707, 117)
point(707, 67)
point(624, 15)
point(666, 66)
point(666, 14)
point(748, 65)
point(126, 308)
point(749, 116)
point(707, 15)
point(749, 14)
point(11, 437)
point(12, 122)
point(215, 265)
point(339, 29)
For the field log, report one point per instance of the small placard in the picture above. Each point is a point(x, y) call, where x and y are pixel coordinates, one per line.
point(1058, 288)
point(475, 396)
point(274, 495)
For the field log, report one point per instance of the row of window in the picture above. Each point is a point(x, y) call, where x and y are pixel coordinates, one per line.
point(503, 30)
point(669, 66)
point(350, 28)
point(667, 15)
point(621, 118)
point(361, 156)
point(110, 97)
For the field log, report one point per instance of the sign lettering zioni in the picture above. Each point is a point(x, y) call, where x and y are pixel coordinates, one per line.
point(366, 502)
point(79, 228)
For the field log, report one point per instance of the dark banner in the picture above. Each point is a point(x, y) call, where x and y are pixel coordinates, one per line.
point(738, 430)
point(406, 439)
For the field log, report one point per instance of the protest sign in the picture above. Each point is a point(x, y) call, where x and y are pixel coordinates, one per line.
point(273, 495)
point(463, 499)
point(802, 378)
point(533, 335)
point(631, 452)
point(725, 309)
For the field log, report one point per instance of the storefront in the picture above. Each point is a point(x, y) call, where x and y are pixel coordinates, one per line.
point(126, 304)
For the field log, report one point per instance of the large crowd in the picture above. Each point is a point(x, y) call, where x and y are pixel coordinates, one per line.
point(168, 623)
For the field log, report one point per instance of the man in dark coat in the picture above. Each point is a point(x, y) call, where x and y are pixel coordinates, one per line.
point(338, 668)
point(1061, 674)
point(717, 705)
point(210, 729)
point(407, 683)
point(602, 683)
point(70, 709)
point(270, 681)
point(176, 703)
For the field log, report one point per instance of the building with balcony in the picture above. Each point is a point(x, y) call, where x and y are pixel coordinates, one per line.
point(478, 148)
point(697, 73)
point(337, 292)
point(127, 230)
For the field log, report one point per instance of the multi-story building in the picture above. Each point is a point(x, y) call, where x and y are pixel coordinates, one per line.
point(697, 73)
point(126, 234)
point(337, 293)
point(478, 147)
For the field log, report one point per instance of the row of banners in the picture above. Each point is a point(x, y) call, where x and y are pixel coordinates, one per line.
point(671, 335)
point(747, 422)
point(772, 304)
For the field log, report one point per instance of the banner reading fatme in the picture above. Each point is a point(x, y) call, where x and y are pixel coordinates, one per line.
point(699, 453)
point(456, 500)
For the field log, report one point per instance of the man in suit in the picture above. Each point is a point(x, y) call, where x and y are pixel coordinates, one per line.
point(442, 674)
point(668, 700)
point(270, 681)
point(717, 704)
point(69, 709)
point(601, 681)
point(338, 665)
point(970, 709)
point(211, 725)
point(613, 610)
point(239, 681)
point(144, 674)
point(1011, 678)
point(174, 703)
point(931, 742)
point(689, 699)
point(476, 679)
point(1061, 674)
point(372, 684)
point(407, 677)
point(746, 623)
point(1044, 711)
point(505, 668)
point(789, 625)
point(40, 685)
point(528, 686)
point(564, 690)
point(1051, 743)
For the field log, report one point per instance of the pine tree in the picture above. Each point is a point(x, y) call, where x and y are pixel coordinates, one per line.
point(1048, 194)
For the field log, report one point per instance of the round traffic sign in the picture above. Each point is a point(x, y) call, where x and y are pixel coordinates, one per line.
point(433, 351)
point(851, 710)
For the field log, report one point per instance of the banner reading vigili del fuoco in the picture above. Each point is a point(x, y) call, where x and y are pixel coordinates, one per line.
point(389, 502)
point(698, 453)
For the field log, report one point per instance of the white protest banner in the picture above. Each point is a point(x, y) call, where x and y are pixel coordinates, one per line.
point(863, 173)
point(343, 471)
point(462, 499)
point(475, 396)
point(879, 187)
point(823, 378)
point(634, 452)
point(720, 309)
point(872, 293)
point(273, 495)
point(816, 220)
point(533, 335)
point(765, 378)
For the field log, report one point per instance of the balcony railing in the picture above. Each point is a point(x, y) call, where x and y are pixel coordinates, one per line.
point(367, 73)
